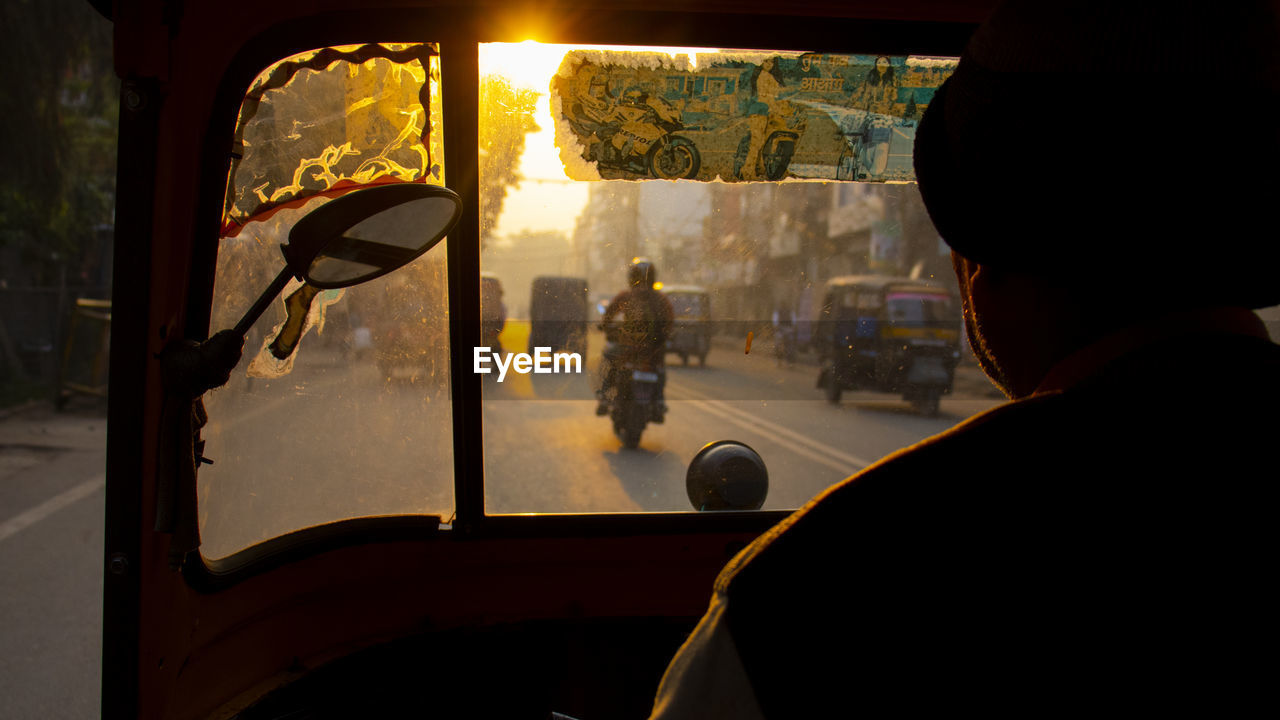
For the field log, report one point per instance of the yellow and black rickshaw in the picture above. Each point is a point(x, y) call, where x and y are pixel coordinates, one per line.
point(691, 334)
point(558, 314)
point(888, 334)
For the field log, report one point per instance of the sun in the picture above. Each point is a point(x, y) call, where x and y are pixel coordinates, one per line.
point(531, 64)
point(546, 199)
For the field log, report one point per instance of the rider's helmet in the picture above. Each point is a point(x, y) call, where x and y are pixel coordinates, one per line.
point(635, 95)
point(641, 273)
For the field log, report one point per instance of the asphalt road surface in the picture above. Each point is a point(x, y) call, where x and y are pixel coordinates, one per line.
point(51, 539)
point(546, 451)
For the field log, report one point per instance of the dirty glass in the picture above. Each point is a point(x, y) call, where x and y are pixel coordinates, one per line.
point(331, 119)
point(742, 116)
point(685, 304)
point(356, 422)
point(919, 308)
point(604, 173)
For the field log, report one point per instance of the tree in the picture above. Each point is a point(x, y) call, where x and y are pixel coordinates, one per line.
point(506, 117)
point(58, 141)
point(58, 132)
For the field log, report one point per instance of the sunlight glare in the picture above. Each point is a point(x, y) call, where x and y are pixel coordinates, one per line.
point(531, 64)
point(546, 199)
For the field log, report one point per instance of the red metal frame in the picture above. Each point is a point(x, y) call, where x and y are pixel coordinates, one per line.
point(186, 644)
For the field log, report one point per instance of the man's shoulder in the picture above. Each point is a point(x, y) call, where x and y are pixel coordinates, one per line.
point(1030, 511)
point(874, 558)
point(923, 477)
point(1160, 421)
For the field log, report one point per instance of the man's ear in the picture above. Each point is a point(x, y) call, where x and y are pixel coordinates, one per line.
point(984, 283)
point(966, 271)
point(987, 287)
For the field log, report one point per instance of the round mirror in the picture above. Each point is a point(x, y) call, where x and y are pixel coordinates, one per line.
point(370, 232)
point(727, 475)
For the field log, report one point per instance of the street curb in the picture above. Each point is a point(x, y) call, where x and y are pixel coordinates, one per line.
point(21, 408)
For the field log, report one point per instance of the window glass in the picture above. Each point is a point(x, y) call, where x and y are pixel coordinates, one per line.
point(685, 304)
point(356, 421)
point(576, 189)
point(919, 308)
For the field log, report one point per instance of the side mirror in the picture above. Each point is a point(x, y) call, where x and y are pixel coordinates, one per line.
point(361, 236)
point(727, 475)
point(349, 240)
point(355, 238)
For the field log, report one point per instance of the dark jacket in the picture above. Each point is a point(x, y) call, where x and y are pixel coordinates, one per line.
point(646, 319)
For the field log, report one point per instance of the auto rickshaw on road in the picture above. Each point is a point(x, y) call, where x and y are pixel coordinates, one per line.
point(493, 312)
point(889, 334)
point(691, 334)
point(558, 314)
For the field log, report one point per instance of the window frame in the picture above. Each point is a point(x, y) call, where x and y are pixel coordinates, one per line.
point(459, 34)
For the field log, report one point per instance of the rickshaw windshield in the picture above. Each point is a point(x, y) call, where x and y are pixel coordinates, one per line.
point(687, 304)
point(725, 169)
point(729, 170)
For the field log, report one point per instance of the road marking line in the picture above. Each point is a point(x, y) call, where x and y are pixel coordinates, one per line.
point(814, 450)
point(17, 524)
point(819, 458)
point(857, 462)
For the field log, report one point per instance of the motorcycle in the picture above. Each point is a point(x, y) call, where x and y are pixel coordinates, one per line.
point(781, 135)
point(635, 386)
point(775, 156)
point(643, 142)
point(849, 166)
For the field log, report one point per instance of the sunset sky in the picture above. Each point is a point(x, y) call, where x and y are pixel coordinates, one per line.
point(547, 199)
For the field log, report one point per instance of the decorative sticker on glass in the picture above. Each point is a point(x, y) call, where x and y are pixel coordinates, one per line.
point(741, 116)
point(331, 120)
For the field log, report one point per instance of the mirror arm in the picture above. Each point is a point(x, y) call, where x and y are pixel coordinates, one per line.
point(263, 302)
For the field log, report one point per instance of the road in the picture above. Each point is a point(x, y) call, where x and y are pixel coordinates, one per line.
point(336, 439)
point(547, 452)
point(51, 539)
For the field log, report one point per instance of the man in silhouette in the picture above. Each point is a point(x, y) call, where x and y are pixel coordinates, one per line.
point(1100, 540)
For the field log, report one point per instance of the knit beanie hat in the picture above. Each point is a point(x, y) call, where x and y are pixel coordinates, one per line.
point(1115, 141)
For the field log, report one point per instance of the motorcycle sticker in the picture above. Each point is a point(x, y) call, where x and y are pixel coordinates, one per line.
point(737, 116)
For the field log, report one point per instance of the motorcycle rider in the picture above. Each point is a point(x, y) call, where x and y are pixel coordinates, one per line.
point(594, 116)
point(647, 318)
